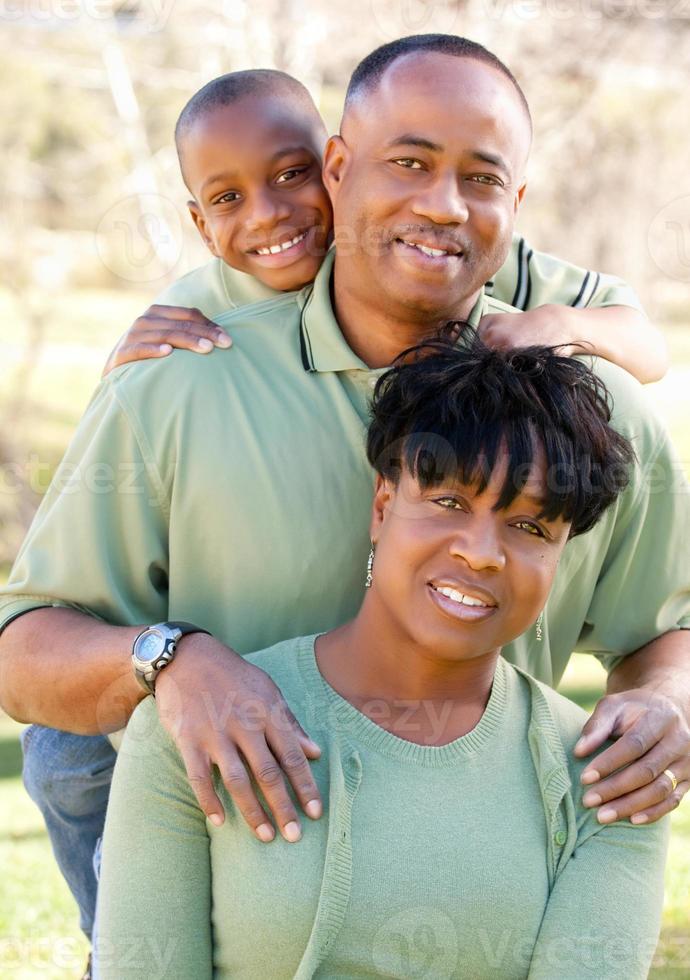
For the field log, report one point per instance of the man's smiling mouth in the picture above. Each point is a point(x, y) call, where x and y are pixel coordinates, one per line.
point(432, 251)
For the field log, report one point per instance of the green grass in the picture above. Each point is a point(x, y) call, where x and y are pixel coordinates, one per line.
point(39, 932)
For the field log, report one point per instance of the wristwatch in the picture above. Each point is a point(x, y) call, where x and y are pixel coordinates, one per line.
point(155, 647)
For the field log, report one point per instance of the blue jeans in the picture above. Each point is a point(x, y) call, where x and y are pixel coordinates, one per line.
point(68, 777)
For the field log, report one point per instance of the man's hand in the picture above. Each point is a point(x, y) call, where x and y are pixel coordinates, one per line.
point(160, 329)
point(550, 325)
point(222, 711)
point(629, 779)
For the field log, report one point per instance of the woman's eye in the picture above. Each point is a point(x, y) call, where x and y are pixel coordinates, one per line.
point(530, 528)
point(228, 198)
point(448, 503)
point(290, 175)
point(408, 163)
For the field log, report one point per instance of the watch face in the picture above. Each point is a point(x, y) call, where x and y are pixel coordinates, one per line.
point(150, 646)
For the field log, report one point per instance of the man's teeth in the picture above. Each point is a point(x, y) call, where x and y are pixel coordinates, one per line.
point(434, 252)
point(275, 249)
point(466, 600)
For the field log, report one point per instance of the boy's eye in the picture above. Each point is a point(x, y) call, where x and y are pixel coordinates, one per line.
point(290, 175)
point(408, 163)
point(229, 198)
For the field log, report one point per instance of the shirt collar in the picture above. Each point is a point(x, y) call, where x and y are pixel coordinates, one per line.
point(322, 343)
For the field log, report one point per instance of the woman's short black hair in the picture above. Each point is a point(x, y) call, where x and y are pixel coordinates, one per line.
point(453, 409)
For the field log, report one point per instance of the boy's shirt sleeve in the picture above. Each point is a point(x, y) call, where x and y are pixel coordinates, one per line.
point(529, 278)
point(99, 541)
point(214, 289)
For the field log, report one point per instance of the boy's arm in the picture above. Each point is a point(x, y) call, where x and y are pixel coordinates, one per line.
point(564, 304)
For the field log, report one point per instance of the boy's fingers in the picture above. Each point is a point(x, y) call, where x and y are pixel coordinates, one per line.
point(189, 313)
point(180, 339)
point(165, 329)
point(136, 352)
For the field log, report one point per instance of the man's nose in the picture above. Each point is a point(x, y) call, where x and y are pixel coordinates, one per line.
point(479, 546)
point(441, 201)
point(266, 210)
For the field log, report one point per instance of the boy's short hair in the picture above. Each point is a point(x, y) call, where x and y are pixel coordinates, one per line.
point(228, 89)
point(452, 410)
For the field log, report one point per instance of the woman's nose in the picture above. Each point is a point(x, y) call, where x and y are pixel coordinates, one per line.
point(480, 547)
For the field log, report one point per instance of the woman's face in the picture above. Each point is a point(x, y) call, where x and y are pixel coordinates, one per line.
point(455, 575)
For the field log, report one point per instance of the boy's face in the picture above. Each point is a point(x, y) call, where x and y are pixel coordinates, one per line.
point(254, 169)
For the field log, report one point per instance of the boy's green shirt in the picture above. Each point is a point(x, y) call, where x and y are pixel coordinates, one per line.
point(527, 279)
point(233, 491)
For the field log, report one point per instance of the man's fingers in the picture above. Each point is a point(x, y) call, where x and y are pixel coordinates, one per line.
point(598, 728)
point(656, 793)
point(633, 744)
point(199, 774)
point(268, 775)
point(654, 813)
point(290, 754)
point(239, 785)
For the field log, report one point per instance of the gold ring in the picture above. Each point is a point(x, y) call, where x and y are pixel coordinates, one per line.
point(674, 781)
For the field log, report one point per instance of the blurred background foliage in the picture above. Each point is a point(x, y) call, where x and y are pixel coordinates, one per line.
point(93, 225)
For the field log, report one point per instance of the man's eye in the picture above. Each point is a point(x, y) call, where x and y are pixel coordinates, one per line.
point(408, 163)
point(530, 528)
point(228, 198)
point(486, 179)
point(290, 175)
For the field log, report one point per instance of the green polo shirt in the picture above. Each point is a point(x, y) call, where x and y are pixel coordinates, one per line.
point(233, 490)
point(527, 279)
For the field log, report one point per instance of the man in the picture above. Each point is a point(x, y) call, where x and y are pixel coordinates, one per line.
point(196, 479)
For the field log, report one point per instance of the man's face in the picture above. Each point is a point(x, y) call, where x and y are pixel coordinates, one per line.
point(254, 168)
point(425, 183)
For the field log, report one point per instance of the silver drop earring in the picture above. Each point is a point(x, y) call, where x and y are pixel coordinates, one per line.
point(538, 626)
point(370, 565)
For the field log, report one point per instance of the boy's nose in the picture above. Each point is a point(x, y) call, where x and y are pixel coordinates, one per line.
point(266, 211)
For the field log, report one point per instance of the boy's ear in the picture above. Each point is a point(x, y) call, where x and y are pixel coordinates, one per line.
point(200, 225)
point(383, 495)
point(335, 160)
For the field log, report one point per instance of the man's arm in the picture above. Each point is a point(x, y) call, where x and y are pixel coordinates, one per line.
point(647, 708)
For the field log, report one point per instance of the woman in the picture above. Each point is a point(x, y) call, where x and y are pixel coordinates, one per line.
point(453, 841)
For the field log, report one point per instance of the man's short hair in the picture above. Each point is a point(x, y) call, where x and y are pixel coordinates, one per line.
point(371, 69)
point(454, 411)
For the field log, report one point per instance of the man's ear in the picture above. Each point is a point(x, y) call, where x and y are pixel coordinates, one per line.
point(383, 495)
point(519, 196)
point(335, 160)
point(200, 225)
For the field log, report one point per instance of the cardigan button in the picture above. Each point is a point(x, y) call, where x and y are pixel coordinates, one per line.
point(560, 837)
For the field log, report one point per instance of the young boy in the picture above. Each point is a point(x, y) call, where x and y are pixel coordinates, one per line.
point(250, 145)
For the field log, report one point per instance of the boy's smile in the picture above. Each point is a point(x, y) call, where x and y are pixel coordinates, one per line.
point(254, 168)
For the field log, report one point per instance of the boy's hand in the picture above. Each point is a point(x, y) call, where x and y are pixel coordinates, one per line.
point(550, 325)
point(223, 711)
point(160, 329)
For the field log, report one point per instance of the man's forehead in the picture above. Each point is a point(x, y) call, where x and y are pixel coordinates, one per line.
point(440, 97)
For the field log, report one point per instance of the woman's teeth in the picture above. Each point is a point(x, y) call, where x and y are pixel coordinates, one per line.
point(275, 249)
point(466, 600)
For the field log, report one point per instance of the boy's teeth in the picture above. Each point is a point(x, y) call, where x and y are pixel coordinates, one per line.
point(466, 600)
point(275, 249)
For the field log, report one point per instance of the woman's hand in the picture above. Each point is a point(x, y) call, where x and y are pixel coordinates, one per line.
point(162, 328)
point(222, 711)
